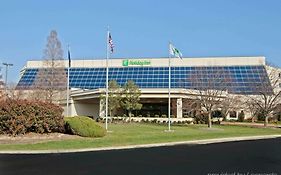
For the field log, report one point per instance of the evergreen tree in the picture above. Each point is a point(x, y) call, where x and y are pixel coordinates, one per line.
point(114, 97)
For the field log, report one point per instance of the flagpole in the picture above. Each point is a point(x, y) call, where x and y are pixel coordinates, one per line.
point(175, 52)
point(169, 91)
point(67, 91)
point(106, 91)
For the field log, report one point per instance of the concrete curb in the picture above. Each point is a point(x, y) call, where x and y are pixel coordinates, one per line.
point(193, 142)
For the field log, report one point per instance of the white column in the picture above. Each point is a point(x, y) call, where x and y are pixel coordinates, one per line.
point(102, 110)
point(247, 114)
point(227, 116)
point(179, 108)
point(69, 110)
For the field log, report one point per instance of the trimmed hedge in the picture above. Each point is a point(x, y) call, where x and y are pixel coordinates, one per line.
point(83, 126)
point(23, 116)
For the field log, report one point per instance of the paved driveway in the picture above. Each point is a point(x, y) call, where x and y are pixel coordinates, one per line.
point(232, 158)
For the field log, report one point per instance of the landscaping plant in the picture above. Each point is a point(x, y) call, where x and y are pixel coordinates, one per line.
point(24, 116)
point(83, 126)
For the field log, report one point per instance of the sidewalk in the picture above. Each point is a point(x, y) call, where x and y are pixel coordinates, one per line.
point(193, 142)
point(258, 125)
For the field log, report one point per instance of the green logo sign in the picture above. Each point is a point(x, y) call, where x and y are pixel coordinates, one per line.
point(136, 63)
point(125, 63)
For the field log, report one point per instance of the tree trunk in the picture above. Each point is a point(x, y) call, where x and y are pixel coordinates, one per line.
point(266, 121)
point(210, 120)
point(130, 113)
point(253, 119)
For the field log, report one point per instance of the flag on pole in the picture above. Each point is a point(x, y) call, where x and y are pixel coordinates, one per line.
point(175, 52)
point(69, 59)
point(110, 42)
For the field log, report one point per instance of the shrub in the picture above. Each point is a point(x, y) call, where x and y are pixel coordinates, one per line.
point(154, 121)
point(277, 115)
point(248, 119)
point(231, 120)
point(23, 116)
point(164, 116)
point(201, 118)
point(83, 126)
point(99, 119)
point(260, 116)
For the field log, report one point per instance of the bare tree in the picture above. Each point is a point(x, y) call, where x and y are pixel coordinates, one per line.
point(231, 103)
point(51, 79)
point(210, 89)
point(269, 94)
point(2, 85)
point(1, 94)
point(251, 108)
point(190, 107)
point(13, 92)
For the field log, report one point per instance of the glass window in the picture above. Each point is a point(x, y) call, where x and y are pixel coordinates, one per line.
point(241, 77)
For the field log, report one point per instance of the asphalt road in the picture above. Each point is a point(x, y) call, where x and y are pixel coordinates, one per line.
point(260, 157)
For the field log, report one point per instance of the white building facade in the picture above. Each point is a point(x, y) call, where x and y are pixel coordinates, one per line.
point(87, 81)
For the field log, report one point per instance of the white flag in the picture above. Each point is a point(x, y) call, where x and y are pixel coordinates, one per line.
point(175, 52)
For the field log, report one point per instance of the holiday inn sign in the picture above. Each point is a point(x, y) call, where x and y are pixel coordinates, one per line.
point(128, 62)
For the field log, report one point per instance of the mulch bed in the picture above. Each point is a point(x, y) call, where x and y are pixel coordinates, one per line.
point(32, 138)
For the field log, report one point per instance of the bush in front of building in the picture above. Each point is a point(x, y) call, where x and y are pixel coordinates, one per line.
point(201, 118)
point(23, 116)
point(277, 114)
point(260, 115)
point(83, 126)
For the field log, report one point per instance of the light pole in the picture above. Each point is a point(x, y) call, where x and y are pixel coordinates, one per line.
point(6, 76)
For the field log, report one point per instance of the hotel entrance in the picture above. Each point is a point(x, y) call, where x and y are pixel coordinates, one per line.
point(153, 108)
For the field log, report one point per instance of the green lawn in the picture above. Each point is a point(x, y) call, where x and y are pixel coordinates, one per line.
point(133, 134)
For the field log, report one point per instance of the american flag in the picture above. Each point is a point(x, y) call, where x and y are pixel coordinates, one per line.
point(110, 42)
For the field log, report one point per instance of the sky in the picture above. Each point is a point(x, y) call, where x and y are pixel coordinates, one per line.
point(143, 28)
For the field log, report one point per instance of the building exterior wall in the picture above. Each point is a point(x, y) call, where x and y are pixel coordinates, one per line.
point(152, 89)
point(244, 73)
point(163, 62)
point(82, 109)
